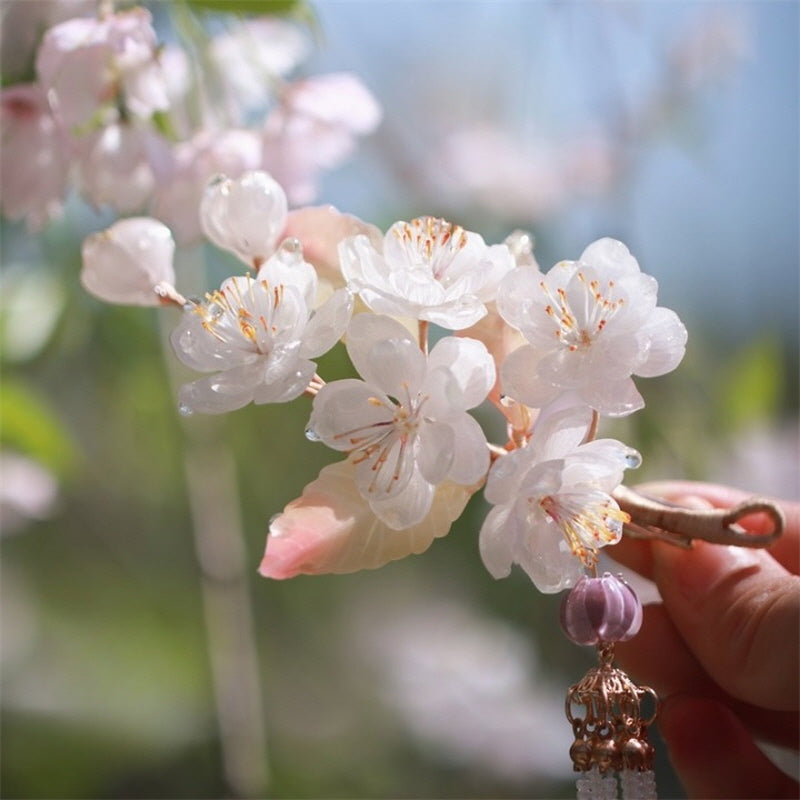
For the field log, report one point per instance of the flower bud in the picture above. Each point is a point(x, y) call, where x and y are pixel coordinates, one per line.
point(245, 215)
point(126, 262)
point(602, 609)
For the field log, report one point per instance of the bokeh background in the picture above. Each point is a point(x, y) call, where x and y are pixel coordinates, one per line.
point(143, 657)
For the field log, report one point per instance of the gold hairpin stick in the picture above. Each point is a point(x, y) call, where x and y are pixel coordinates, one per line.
point(659, 519)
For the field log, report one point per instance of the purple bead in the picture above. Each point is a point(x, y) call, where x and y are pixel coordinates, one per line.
point(602, 609)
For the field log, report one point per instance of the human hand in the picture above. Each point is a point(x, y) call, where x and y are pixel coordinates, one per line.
point(722, 650)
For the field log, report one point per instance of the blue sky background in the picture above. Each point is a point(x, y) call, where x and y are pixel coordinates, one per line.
point(710, 204)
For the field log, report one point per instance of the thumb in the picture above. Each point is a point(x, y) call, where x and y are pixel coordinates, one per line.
point(738, 611)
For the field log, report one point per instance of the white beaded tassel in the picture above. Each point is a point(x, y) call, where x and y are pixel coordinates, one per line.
point(594, 785)
point(637, 785)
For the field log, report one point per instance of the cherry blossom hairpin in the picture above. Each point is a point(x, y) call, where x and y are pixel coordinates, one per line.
point(437, 323)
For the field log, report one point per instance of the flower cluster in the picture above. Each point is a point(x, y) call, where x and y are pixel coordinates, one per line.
point(111, 112)
point(436, 323)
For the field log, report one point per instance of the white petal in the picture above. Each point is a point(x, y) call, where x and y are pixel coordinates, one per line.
point(610, 257)
point(290, 385)
point(327, 324)
point(124, 263)
point(436, 445)
point(366, 329)
point(496, 541)
point(506, 474)
point(471, 459)
point(287, 267)
point(224, 391)
point(518, 294)
point(613, 398)
point(469, 361)
point(397, 366)
point(559, 431)
point(455, 316)
point(245, 215)
point(407, 508)
point(545, 556)
point(345, 411)
point(667, 343)
point(519, 378)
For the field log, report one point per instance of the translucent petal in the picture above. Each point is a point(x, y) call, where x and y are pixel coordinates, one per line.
point(245, 215)
point(436, 444)
point(546, 558)
point(471, 459)
point(667, 337)
point(497, 538)
point(559, 431)
point(613, 398)
point(456, 315)
point(124, 263)
point(287, 266)
point(407, 508)
point(397, 366)
point(327, 324)
point(349, 413)
point(366, 329)
point(291, 384)
point(610, 257)
point(518, 294)
point(385, 470)
point(519, 378)
point(332, 529)
point(224, 391)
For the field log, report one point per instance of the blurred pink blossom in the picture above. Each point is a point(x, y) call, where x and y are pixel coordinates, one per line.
point(314, 128)
point(34, 157)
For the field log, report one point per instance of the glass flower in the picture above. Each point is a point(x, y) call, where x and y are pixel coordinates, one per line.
point(245, 215)
point(127, 262)
point(590, 325)
point(405, 425)
point(552, 504)
point(257, 335)
point(428, 269)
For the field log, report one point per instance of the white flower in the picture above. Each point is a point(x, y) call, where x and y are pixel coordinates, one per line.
point(406, 425)
point(331, 528)
point(552, 504)
point(257, 336)
point(590, 325)
point(429, 270)
point(244, 215)
point(128, 261)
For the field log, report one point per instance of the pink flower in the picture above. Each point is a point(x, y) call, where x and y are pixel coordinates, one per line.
point(33, 157)
point(331, 528)
point(315, 128)
point(114, 166)
point(86, 62)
